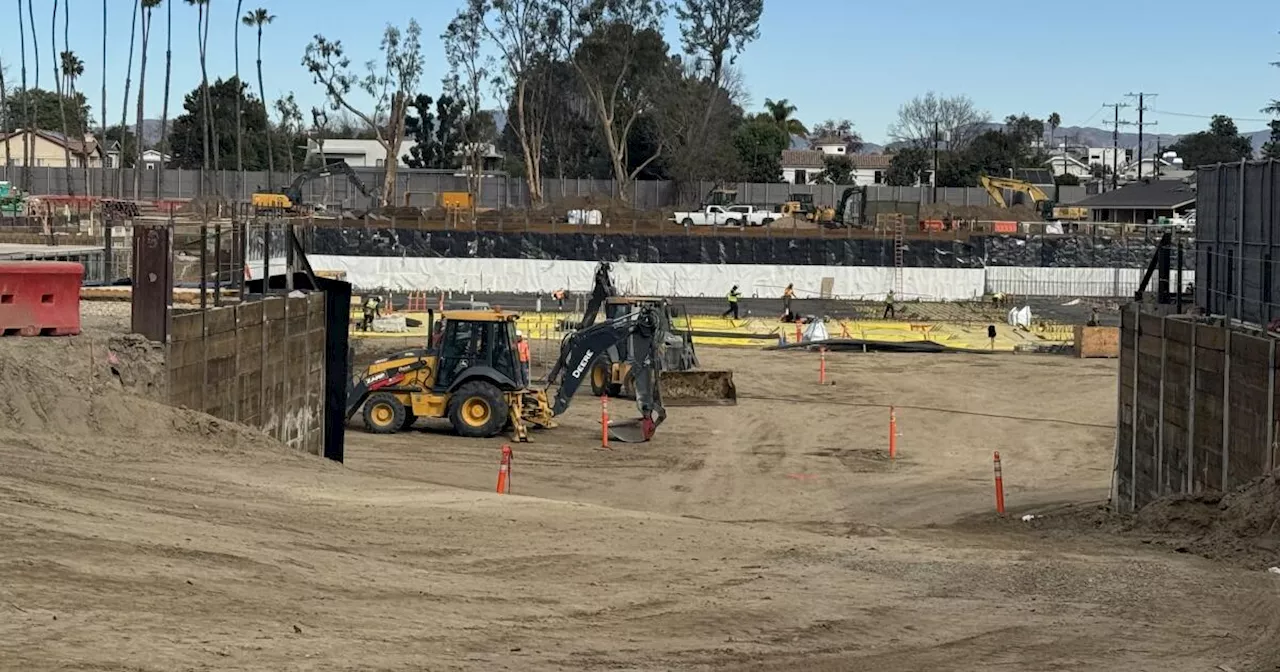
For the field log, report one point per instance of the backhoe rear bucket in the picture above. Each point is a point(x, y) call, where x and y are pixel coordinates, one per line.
point(698, 388)
point(629, 431)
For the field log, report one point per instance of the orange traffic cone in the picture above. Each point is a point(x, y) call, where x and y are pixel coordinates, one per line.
point(504, 471)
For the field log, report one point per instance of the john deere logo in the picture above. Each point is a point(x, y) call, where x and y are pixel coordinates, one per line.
point(582, 365)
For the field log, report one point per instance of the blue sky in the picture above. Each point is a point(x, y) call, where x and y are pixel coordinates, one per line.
point(854, 59)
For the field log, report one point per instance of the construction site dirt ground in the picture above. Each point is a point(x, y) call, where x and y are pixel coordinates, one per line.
point(773, 535)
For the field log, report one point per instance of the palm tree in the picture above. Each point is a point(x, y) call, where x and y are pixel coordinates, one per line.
point(103, 141)
point(202, 38)
point(1054, 122)
point(62, 103)
point(72, 68)
point(164, 113)
point(147, 7)
point(4, 122)
point(124, 105)
point(239, 112)
point(26, 106)
point(780, 112)
point(259, 18)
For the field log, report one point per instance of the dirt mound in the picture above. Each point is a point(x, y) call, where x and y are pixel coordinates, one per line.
point(90, 394)
point(1241, 525)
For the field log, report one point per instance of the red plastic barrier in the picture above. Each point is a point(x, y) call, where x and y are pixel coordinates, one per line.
point(1004, 227)
point(40, 298)
point(931, 225)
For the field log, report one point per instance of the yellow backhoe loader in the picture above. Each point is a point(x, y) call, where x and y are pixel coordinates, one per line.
point(469, 375)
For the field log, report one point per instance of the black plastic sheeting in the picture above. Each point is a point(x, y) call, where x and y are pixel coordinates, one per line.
point(975, 252)
point(860, 345)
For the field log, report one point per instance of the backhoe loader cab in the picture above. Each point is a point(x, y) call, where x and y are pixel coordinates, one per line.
point(468, 374)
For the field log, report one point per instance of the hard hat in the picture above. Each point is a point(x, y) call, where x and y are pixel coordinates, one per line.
point(519, 333)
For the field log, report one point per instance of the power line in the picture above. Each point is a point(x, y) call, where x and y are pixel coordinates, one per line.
point(1115, 141)
point(1142, 107)
point(1207, 116)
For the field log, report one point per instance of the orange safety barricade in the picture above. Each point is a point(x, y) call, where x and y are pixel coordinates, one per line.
point(40, 298)
point(1004, 227)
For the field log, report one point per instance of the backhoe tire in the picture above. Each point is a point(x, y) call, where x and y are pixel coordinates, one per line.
point(383, 413)
point(409, 419)
point(602, 377)
point(478, 410)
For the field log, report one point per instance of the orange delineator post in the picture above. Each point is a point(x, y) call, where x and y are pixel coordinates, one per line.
point(822, 366)
point(999, 486)
point(504, 471)
point(799, 337)
point(893, 434)
point(604, 421)
point(442, 302)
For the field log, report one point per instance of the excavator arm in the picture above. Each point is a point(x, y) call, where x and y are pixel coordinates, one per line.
point(294, 191)
point(995, 187)
point(581, 348)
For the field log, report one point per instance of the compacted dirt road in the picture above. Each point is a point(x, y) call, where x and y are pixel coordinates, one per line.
point(774, 535)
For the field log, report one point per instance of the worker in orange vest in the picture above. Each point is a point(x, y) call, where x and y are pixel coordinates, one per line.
point(522, 349)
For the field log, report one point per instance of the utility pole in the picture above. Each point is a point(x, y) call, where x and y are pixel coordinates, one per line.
point(1115, 143)
point(1142, 107)
point(936, 139)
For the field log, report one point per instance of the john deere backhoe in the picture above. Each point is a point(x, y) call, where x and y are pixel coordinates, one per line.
point(468, 375)
point(681, 380)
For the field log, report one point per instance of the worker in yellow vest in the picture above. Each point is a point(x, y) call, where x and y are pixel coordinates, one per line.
point(733, 303)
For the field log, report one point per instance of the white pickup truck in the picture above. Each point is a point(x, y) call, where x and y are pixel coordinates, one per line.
point(716, 215)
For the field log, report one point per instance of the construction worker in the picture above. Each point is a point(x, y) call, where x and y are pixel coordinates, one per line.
point(733, 303)
point(372, 307)
point(888, 305)
point(787, 294)
point(522, 349)
point(558, 295)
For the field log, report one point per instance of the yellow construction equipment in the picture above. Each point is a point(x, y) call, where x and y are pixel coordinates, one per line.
point(470, 375)
point(802, 206)
point(1049, 210)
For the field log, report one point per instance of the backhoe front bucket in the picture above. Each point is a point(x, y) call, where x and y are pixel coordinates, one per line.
point(698, 388)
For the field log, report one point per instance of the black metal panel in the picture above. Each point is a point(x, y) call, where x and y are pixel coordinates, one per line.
point(1237, 245)
point(152, 279)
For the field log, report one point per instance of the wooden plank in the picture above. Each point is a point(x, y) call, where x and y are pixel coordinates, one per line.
point(1211, 338)
point(220, 320)
point(186, 327)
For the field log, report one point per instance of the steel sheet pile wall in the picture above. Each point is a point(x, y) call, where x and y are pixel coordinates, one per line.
point(261, 364)
point(1196, 408)
point(1237, 242)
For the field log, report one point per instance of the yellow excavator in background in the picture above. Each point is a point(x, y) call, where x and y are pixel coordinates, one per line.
point(1049, 210)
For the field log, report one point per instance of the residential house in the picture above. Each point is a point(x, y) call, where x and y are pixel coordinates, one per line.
point(804, 166)
point(152, 158)
point(1066, 164)
point(1168, 167)
point(1106, 156)
point(829, 144)
point(50, 149)
point(1143, 202)
point(370, 154)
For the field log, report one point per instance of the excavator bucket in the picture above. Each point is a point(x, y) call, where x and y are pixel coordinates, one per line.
point(698, 388)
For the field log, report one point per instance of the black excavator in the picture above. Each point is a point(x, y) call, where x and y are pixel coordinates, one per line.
point(468, 374)
point(289, 199)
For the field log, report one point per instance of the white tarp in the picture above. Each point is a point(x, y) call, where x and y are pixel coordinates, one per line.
point(816, 331)
point(402, 274)
point(1020, 317)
